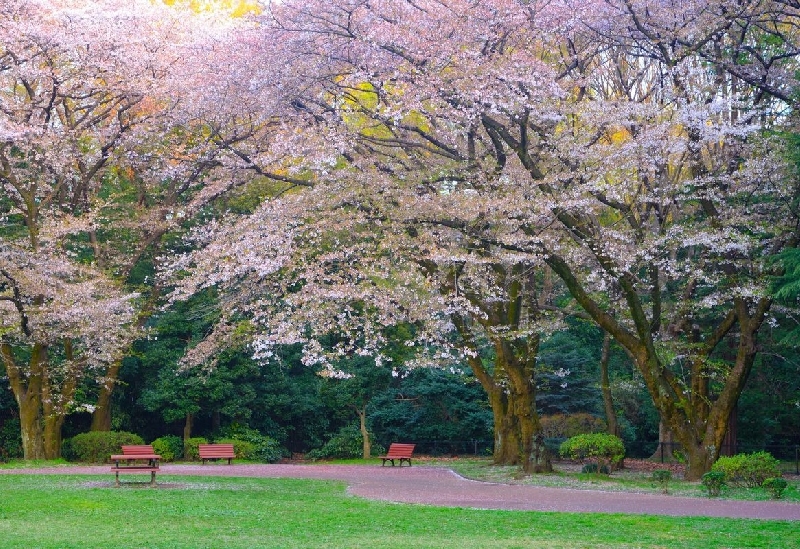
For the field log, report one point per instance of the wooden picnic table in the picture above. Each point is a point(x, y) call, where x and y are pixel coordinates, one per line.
point(136, 459)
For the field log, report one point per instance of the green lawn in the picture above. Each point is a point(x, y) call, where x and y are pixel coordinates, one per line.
point(71, 511)
point(625, 480)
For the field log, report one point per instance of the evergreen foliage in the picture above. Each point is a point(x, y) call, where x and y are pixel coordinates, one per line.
point(599, 448)
point(432, 406)
point(775, 486)
point(749, 470)
point(347, 443)
point(169, 447)
point(251, 445)
point(713, 482)
point(191, 448)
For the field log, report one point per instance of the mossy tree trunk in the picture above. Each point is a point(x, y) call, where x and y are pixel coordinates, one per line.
point(509, 382)
point(27, 390)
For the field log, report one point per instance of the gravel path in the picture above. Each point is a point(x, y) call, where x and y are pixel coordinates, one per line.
point(442, 487)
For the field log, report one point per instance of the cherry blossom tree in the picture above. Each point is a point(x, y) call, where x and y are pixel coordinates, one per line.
point(81, 92)
point(640, 171)
point(123, 135)
point(441, 160)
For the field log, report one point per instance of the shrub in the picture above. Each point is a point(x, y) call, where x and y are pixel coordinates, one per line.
point(191, 448)
point(347, 443)
point(169, 447)
point(662, 477)
point(600, 448)
point(749, 470)
point(97, 446)
point(250, 444)
point(775, 486)
point(713, 481)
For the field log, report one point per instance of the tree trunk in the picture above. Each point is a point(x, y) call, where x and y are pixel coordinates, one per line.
point(57, 394)
point(27, 390)
point(506, 432)
point(665, 451)
point(697, 421)
point(52, 435)
point(30, 420)
point(187, 427)
point(506, 435)
point(101, 417)
point(605, 387)
point(699, 460)
point(518, 362)
point(362, 423)
point(512, 397)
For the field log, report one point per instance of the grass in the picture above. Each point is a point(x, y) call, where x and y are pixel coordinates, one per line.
point(73, 511)
point(621, 481)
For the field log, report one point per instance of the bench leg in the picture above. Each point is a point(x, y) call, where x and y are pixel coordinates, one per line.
point(116, 475)
point(153, 479)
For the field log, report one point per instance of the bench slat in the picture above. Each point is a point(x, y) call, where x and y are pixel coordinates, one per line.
point(399, 451)
point(216, 451)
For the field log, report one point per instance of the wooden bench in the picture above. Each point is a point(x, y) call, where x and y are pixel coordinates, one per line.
point(398, 451)
point(137, 458)
point(216, 452)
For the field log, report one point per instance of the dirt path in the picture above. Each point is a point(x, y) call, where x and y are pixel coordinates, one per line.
point(442, 487)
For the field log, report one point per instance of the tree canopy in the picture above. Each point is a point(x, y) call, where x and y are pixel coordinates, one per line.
point(482, 172)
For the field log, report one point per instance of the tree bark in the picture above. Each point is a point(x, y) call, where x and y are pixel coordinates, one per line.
point(187, 427)
point(605, 387)
point(362, 423)
point(101, 416)
point(27, 391)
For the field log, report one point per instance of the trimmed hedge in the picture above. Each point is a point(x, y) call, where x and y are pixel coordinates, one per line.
point(191, 448)
point(169, 447)
point(97, 446)
point(749, 470)
point(600, 448)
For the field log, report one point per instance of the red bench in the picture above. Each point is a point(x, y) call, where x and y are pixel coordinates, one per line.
point(398, 451)
point(216, 452)
point(137, 458)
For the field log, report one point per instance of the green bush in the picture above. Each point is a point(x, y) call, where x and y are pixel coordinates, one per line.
point(347, 443)
point(97, 446)
point(191, 448)
point(713, 481)
point(775, 486)
point(169, 447)
point(250, 444)
point(600, 448)
point(662, 477)
point(749, 470)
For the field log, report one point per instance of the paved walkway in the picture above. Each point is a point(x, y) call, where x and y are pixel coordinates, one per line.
point(442, 487)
